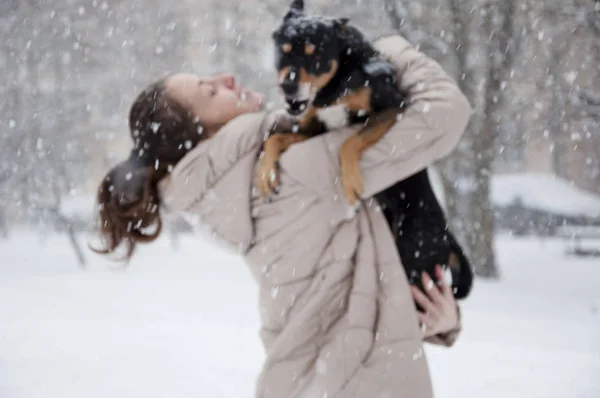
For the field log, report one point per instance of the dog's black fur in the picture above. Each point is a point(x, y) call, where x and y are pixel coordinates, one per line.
point(413, 213)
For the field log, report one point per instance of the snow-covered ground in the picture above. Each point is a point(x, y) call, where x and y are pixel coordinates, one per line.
point(541, 191)
point(545, 192)
point(185, 323)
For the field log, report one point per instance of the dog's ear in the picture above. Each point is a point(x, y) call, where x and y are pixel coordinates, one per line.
point(342, 25)
point(297, 5)
point(296, 8)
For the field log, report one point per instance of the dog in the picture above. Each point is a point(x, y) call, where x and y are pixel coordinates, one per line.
point(332, 76)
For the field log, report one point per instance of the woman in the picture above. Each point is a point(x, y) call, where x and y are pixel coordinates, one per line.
point(338, 319)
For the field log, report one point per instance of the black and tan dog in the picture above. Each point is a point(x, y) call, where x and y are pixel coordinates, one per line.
point(330, 76)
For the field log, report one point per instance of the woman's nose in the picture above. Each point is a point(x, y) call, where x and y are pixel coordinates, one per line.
point(225, 80)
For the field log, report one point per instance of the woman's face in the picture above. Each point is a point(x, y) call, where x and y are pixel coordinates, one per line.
point(215, 101)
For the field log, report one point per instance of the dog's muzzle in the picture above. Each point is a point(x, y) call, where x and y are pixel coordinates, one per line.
point(295, 106)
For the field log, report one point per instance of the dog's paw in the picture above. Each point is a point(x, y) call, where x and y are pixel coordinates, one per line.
point(267, 176)
point(352, 210)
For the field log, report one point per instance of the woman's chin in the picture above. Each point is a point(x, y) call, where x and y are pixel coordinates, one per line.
point(261, 100)
point(256, 101)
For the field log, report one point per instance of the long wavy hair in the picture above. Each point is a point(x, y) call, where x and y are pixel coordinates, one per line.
point(128, 204)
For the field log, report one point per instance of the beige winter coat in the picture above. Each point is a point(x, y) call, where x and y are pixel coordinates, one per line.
point(337, 315)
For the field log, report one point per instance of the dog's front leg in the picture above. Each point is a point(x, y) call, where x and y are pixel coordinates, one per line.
point(267, 174)
point(375, 127)
point(278, 142)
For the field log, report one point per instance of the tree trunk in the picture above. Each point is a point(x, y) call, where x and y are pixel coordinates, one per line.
point(498, 27)
point(460, 165)
point(3, 225)
point(449, 195)
point(557, 113)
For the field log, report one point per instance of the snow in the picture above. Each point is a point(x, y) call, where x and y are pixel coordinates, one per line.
point(380, 67)
point(300, 25)
point(544, 192)
point(78, 206)
point(185, 324)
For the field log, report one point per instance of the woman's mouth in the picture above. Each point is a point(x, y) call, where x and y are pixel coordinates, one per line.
point(245, 96)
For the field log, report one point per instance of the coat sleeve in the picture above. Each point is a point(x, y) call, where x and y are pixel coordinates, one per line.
point(208, 162)
point(429, 129)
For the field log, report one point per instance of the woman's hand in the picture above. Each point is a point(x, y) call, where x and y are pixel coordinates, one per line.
point(440, 309)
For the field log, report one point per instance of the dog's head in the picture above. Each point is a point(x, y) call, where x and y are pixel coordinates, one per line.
point(307, 52)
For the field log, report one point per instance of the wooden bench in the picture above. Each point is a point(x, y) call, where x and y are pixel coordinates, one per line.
point(576, 235)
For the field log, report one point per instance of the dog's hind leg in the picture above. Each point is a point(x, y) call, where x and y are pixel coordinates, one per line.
point(376, 126)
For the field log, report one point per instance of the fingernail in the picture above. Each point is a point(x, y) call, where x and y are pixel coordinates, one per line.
point(429, 285)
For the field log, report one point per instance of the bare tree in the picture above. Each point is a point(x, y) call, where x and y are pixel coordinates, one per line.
point(500, 32)
point(570, 50)
point(59, 59)
point(477, 38)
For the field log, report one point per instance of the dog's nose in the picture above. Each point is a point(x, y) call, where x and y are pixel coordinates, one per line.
point(289, 87)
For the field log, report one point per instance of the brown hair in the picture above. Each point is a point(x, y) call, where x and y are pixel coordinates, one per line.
point(163, 131)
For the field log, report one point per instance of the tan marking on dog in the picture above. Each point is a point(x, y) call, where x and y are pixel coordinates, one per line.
point(318, 82)
point(359, 100)
point(283, 73)
point(286, 47)
point(307, 118)
point(454, 262)
point(343, 27)
point(309, 49)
